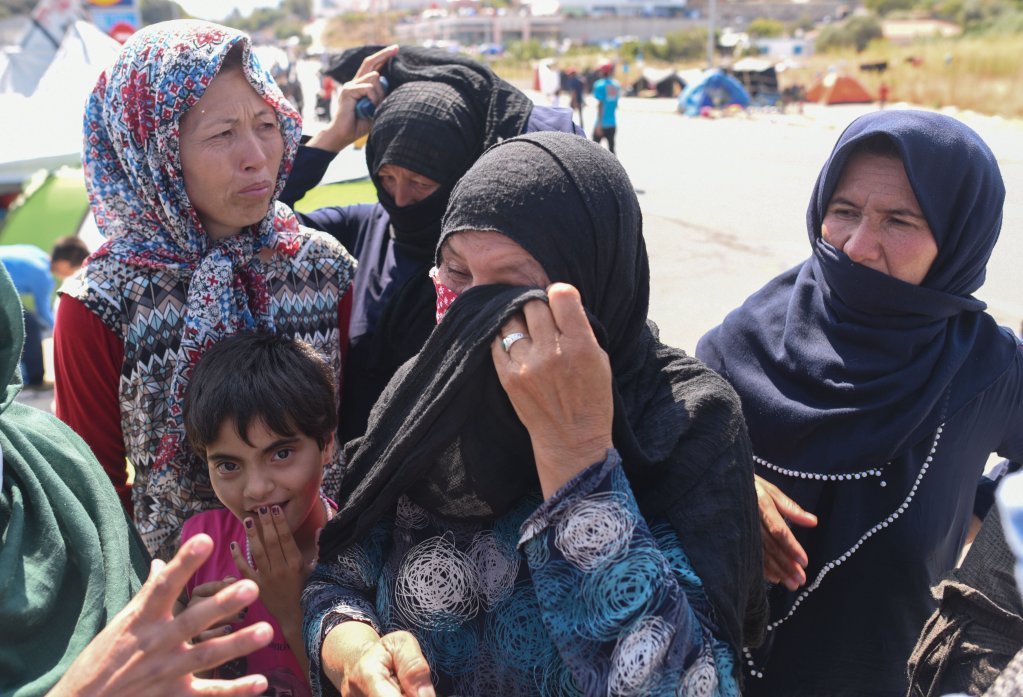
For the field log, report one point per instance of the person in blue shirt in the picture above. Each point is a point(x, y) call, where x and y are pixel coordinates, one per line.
point(607, 91)
point(32, 271)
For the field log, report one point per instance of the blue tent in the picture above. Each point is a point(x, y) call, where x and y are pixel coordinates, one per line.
point(715, 89)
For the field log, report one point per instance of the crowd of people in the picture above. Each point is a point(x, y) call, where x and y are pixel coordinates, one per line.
point(434, 444)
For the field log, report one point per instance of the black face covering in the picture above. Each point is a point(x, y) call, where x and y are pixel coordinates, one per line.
point(445, 433)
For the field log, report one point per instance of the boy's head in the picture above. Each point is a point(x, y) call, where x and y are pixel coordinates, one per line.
point(67, 256)
point(260, 410)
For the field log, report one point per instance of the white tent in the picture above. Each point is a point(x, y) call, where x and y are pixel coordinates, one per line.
point(44, 129)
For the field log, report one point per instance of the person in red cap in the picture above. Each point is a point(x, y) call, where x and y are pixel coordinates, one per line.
point(607, 91)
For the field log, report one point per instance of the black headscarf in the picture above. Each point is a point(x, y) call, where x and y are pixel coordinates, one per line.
point(441, 113)
point(840, 367)
point(445, 434)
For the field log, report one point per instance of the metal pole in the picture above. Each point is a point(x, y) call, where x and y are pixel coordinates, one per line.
point(711, 12)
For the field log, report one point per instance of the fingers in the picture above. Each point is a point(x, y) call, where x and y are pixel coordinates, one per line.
point(211, 588)
point(242, 563)
point(784, 557)
point(257, 546)
point(241, 687)
point(375, 61)
point(410, 665)
point(566, 308)
point(226, 604)
point(165, 582)
point(289, 548)
point(272, 550)
point(216, 652)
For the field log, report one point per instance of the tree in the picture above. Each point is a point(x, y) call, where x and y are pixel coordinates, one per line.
point(884, 7)
point(856, 32)
point(762, 28)
point(154, 11)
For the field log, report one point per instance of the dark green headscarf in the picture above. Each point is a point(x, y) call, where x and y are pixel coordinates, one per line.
point(69, 559)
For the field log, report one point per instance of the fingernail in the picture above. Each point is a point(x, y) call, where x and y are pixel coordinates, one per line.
point(276, 510)
point(262, 510)
point(248, 523)
point(426, 692)
point(227, 629)
point(234, 548)
point(231, 579)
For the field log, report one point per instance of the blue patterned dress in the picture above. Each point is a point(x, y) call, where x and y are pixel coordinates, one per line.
point(576, 595)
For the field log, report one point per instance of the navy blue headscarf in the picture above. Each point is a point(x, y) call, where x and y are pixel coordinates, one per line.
point(841, 367)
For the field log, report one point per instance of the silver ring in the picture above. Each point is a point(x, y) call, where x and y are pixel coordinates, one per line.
point(506, 342)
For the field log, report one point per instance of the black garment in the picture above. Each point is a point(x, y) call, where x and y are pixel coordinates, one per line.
point(393, 298)
point(445, 433)
point(874, 404)
point(606, 133)
point(978, 626)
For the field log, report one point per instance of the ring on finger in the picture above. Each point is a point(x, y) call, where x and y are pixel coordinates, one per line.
point(507, 341)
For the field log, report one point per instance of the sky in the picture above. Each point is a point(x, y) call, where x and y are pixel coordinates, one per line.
point(218, 9)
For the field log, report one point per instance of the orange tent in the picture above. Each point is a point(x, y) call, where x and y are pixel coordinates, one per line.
point(838, 89)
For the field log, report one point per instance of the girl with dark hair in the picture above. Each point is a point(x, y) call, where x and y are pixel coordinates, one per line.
point(875, 387)
point(547, 500)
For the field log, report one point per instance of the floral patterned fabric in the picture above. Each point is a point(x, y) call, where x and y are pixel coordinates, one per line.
point(160, 282)
point(579, 595)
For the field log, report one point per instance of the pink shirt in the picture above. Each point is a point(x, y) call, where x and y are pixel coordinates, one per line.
point(275, 661)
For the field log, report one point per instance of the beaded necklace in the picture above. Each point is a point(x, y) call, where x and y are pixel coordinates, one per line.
point(844, 557)
point(326, 508)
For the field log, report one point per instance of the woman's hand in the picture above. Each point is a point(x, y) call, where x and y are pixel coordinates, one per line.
point(345, 127)
point(145, 649)
point(280, 570)
point(784, 558)
point(389, 666)
point(559, 381)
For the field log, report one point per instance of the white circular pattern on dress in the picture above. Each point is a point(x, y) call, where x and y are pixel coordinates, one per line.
point(409, 515)
point(594, 531)
point(435, 586)
point(701, 680)
point(496, 568)
point(637, 656)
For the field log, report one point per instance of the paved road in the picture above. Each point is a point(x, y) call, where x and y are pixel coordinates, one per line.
point(724, 205)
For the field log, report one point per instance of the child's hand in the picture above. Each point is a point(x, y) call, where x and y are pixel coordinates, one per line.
point(280, 570)
point(203, 592)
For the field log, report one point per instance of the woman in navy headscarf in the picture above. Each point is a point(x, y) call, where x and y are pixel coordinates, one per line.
point(875, 387)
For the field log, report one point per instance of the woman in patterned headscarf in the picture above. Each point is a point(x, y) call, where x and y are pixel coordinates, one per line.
point(188, 142)
point(548, 500)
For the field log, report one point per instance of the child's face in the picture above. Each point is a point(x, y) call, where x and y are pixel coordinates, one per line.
point(281, 470)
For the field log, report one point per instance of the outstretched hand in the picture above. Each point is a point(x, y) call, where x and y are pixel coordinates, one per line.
point(145, 649)
point(784, 558)
point(559, 381)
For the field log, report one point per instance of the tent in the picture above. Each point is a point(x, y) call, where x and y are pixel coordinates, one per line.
point(51, 206)
point(716, 90)
point(838, 89)
point(656, 82)
point(43, 130)
point(760, 79)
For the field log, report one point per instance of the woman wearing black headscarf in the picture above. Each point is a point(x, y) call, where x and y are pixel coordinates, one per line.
point(441, 113)
point(547, 499)
point(875, 387)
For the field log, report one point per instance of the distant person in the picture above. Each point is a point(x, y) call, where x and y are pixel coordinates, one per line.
point(607, 92)
point(875, 387)
point(188, 142)
point(577, 93)
point(33, 273)
point(260, 412)
point(76, 617)
point(440, 113)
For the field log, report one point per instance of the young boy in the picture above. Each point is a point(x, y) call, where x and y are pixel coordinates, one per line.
point(261, 411)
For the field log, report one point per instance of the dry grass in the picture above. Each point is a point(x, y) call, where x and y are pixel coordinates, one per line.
point(983, 74)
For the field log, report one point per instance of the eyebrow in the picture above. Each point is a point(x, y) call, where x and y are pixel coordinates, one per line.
point(290, 440)
point(839, 200)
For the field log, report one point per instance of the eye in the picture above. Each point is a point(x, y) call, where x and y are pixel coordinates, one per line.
point(283, 454)
point(268, 126)
point(227, 467)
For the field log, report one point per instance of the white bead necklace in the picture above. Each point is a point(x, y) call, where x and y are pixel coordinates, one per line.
point(326, 508)
point(844, 557)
